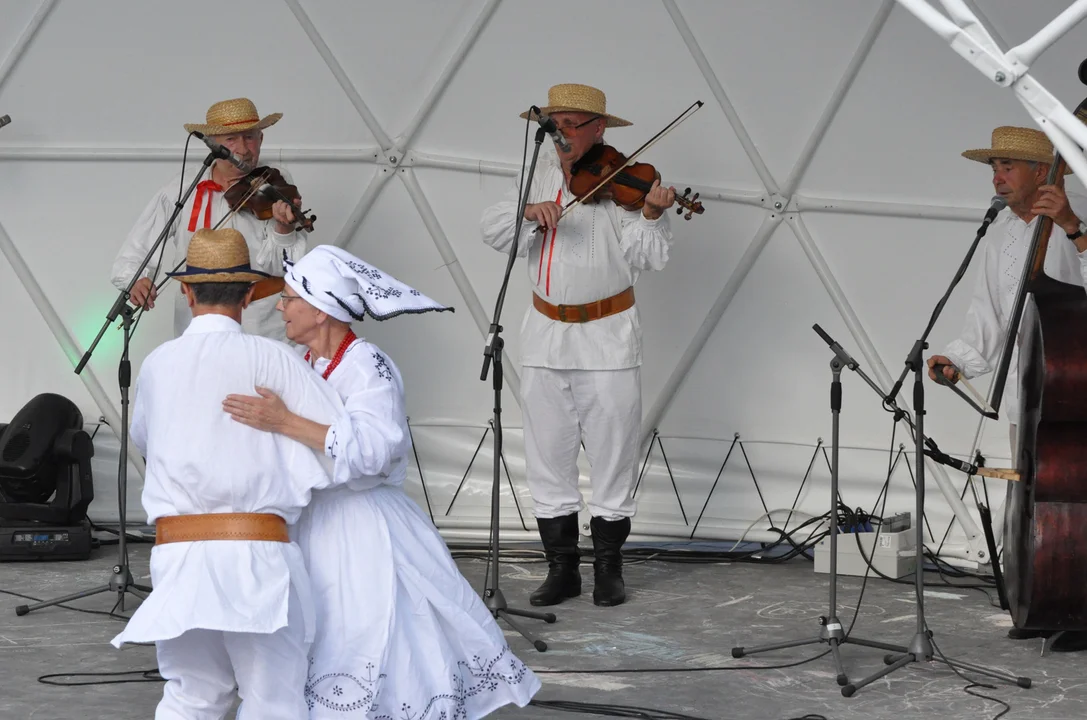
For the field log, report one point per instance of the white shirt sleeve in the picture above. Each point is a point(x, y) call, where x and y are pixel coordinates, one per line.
point(977, 348)
point(269, 255)
point(645, 243)
point(372, 438)
point(1078, 203)
point(140, 239)
point(500, 220)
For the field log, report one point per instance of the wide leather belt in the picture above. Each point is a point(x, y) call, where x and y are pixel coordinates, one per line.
point(221, 526)
point(587, 312)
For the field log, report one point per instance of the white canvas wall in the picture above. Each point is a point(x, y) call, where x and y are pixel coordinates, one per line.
point(98, 93)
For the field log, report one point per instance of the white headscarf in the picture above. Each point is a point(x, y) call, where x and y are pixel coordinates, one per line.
point(337, 283)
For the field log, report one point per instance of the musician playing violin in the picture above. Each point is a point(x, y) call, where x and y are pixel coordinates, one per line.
point(581, 345)
point(236, 125)
point(1020, 159)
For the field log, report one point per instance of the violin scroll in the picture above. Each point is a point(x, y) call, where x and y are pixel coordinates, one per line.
point(692, 206)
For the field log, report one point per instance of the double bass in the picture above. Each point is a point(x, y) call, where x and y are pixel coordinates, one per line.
point(1045, 537)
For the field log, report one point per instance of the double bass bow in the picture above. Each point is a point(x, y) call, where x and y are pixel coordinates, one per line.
point(1045, 536)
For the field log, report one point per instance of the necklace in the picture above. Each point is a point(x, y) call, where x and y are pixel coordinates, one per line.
point(347, 340)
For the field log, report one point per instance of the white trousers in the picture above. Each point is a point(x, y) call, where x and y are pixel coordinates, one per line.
point(562, 408)
point(203, 667)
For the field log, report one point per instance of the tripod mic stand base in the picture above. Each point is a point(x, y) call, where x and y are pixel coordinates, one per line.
point(831, 634)
point(120, 582)
point(496, 603)
point(921, 650)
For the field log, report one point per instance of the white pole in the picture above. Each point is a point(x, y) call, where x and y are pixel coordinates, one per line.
point(836, 98)
point(811, 203)
point(460, 278)
point(341, 77)
point(20, 46)
point(1026, 53)
point(722, 97)
point(974, 537)
point(67, 343)
point(679, 372)
point(447, 75)
point(170, 153)
point(381, 176)
point(964, 17)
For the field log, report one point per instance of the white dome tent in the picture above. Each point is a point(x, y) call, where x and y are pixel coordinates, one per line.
point(826, 154)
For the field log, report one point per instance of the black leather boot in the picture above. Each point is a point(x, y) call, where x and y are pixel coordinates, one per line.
point(563, 581)
point(608, 539)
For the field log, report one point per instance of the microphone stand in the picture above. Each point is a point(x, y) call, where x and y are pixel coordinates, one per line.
point(832, 632)
point(120, 580)
point(921, 648)
point(492, 595)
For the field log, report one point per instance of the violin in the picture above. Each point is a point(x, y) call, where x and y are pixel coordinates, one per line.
point(604, 173)
point(626, 188)
point(259, 190)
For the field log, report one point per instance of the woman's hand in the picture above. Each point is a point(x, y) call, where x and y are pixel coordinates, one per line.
point(266, 412)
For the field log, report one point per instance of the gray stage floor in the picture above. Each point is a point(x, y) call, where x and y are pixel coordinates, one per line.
point(677, 616)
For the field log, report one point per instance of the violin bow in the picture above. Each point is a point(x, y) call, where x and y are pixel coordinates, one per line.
point(254, 187)
point(252, 191)
point(695, 106)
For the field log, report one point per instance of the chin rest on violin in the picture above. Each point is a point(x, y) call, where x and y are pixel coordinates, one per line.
point(627, 188)
point(259, 190)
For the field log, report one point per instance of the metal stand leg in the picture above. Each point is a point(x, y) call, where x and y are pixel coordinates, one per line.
point(832, 632)
point(492, 595)
point(921, 648)
point(120, 581)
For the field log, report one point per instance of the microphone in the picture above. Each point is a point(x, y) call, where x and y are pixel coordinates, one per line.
point(223, 152)
point(5, 120)
point(945, 459)
point(998, 204)
point(551, 129)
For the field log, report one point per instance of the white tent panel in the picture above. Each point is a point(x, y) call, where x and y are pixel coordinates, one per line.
point(98, 93)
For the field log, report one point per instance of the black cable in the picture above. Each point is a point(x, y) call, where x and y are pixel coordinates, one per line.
point(718, 668)
point(627, 711)
point(162, 248)
point(973, 684)
point(151, 675)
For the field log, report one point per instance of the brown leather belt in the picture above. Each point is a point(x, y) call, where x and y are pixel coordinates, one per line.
point(588, 311)
point(221, 526)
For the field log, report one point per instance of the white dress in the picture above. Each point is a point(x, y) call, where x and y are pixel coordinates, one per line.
point(400, 632)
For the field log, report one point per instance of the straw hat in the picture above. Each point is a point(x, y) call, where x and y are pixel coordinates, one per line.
point(1015, 143)
point(579, 98)
point(218, 256)
point(231, 116)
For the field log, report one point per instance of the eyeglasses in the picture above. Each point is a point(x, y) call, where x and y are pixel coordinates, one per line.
point(285, 298)
point(570, 127)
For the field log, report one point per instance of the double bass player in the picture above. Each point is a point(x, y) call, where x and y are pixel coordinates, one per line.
point(1020, 159)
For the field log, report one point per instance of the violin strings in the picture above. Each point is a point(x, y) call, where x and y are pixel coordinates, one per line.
point(253, 189)
point(695, 106)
